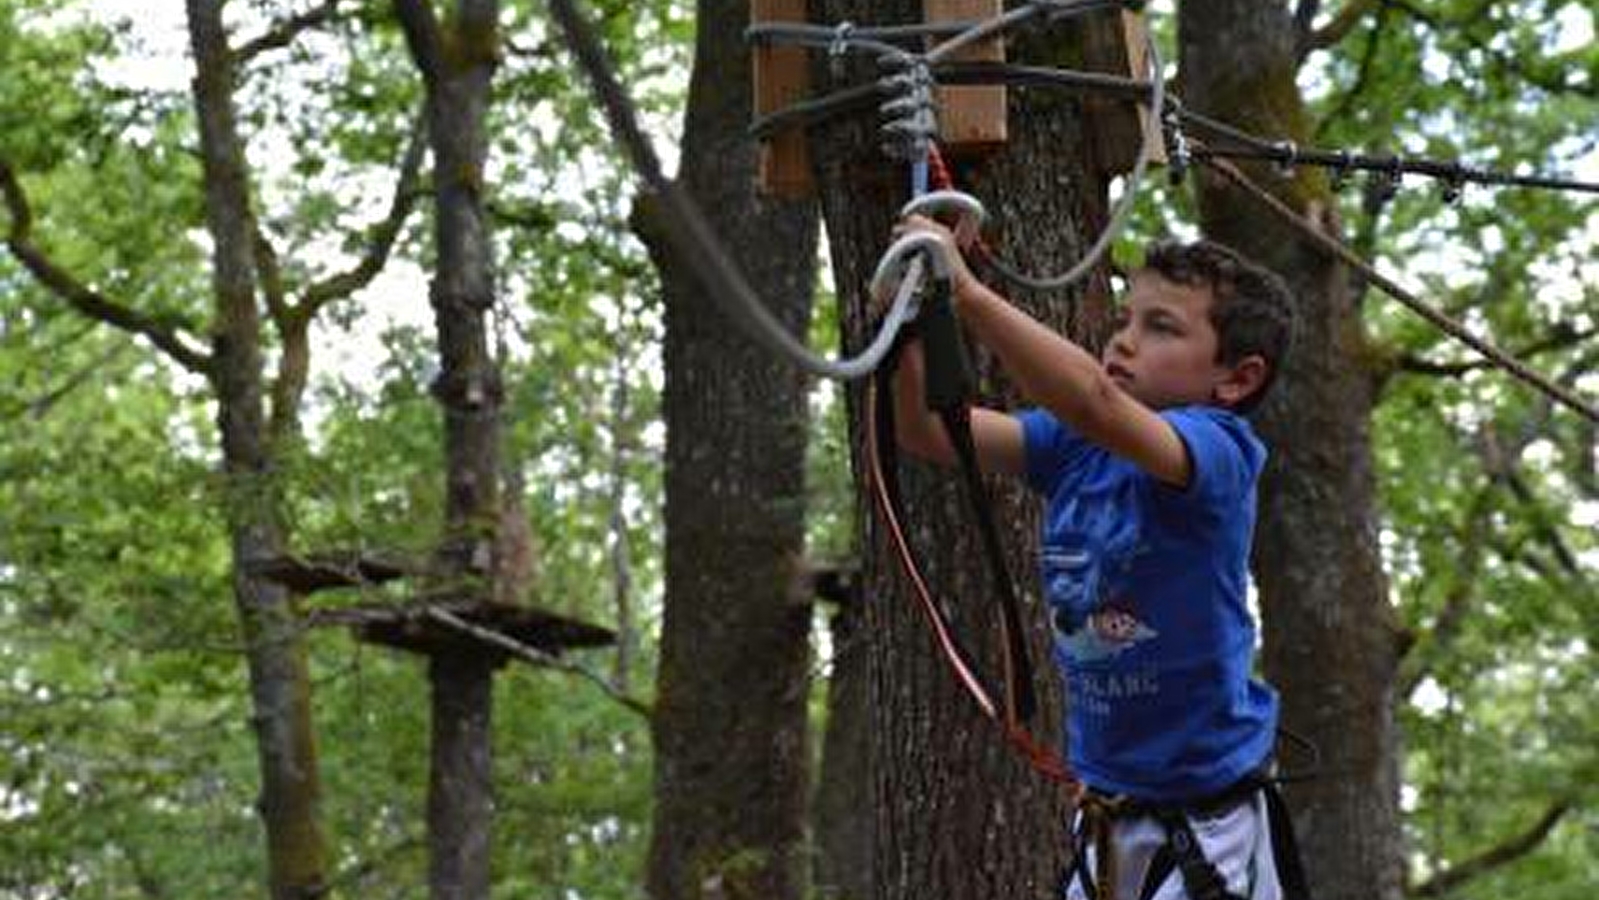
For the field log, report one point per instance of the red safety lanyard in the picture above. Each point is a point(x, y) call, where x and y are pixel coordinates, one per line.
point(1018, 702)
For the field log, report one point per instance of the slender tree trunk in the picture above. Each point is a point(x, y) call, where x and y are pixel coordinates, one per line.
point(457, 60)
point(957, 815)
point(1331, 645)
point(279, 684)
point(731, 737)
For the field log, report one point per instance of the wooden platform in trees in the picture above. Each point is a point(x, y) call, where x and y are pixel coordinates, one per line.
point(325, 571)
point(431, 625)
point(413, 627)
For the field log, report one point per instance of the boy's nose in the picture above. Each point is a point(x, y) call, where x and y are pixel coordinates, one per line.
point(1121, 342)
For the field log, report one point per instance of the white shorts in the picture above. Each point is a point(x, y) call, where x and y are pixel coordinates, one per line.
point(1237, 843)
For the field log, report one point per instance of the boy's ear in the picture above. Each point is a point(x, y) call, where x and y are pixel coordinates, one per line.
point(1241, 380)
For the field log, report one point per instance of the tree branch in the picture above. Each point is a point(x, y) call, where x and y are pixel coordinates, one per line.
point(1368, 59)
point(1495, 857)
point(1446, 626)
point(1348, 16)
point(40, 406)
point(381, 237)
point(271, 272)
point(283, 33)
point(1541, 79)
point(422, 36)
point(1305, 19)
point(79, 296)
point(1561, 337)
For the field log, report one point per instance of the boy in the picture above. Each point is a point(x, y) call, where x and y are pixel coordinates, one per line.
point(1148, 471)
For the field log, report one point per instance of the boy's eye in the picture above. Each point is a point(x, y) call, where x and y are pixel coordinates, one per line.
point(1163, 325)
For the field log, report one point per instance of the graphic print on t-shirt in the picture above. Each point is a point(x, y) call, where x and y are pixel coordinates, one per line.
point(1106, 634)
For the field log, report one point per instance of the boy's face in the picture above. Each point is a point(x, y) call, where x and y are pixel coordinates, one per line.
point(1164, 350)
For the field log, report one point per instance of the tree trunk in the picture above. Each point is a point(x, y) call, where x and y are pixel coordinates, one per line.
point(457, 60)
point(460, 776)
point(845, 858)
point(957, 814)
point(730, 728)
point(1331, 646)
point(280, 688)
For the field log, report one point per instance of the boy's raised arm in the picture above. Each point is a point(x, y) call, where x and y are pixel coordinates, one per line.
point(1068, 381)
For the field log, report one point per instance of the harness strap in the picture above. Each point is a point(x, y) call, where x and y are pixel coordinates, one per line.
point(1285, 846)
point(1201, 879)
point(882, 463)
point(1160, 868)
point(948, 389)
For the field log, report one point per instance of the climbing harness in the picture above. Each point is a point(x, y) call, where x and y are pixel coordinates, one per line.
point(1181, 854)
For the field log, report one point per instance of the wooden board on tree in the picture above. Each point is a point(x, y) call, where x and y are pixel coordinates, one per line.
point(970, 119)
point(1118, 44)
point(781, 78)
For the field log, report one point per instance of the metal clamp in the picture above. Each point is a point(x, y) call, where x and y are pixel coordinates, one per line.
point(838, 48)
point(911, 123)
point(1289, 160)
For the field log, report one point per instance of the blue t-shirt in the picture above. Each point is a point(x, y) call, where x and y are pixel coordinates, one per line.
point(1146, 590)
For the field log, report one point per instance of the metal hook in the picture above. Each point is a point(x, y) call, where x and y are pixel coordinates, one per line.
point(839, 47)
point(970, 213)
point(1290, 158)
point(1453, 186)
point(1179, 155)
point(1340, 172)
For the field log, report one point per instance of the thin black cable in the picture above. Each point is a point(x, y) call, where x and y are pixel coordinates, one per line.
point(1249, 146)
point(1255, 147)
point(863, 97)
point(1334, 248)
point(874, 37)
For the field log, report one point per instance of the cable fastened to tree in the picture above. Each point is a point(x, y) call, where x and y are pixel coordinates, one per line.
point(1124, 205)
point(690, 235)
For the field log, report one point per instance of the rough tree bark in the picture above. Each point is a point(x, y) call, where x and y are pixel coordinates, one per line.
point(843, 823)
point(730, 726)
point(280, 688)
point(1331, 644)
point(957, 814)
point(457, 59)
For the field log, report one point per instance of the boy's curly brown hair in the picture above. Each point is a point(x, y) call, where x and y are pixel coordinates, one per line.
point(1251, 308)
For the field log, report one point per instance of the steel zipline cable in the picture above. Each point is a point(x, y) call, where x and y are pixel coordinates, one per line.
point(1254, 147)
point(1124, 206)
point(692, 236)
